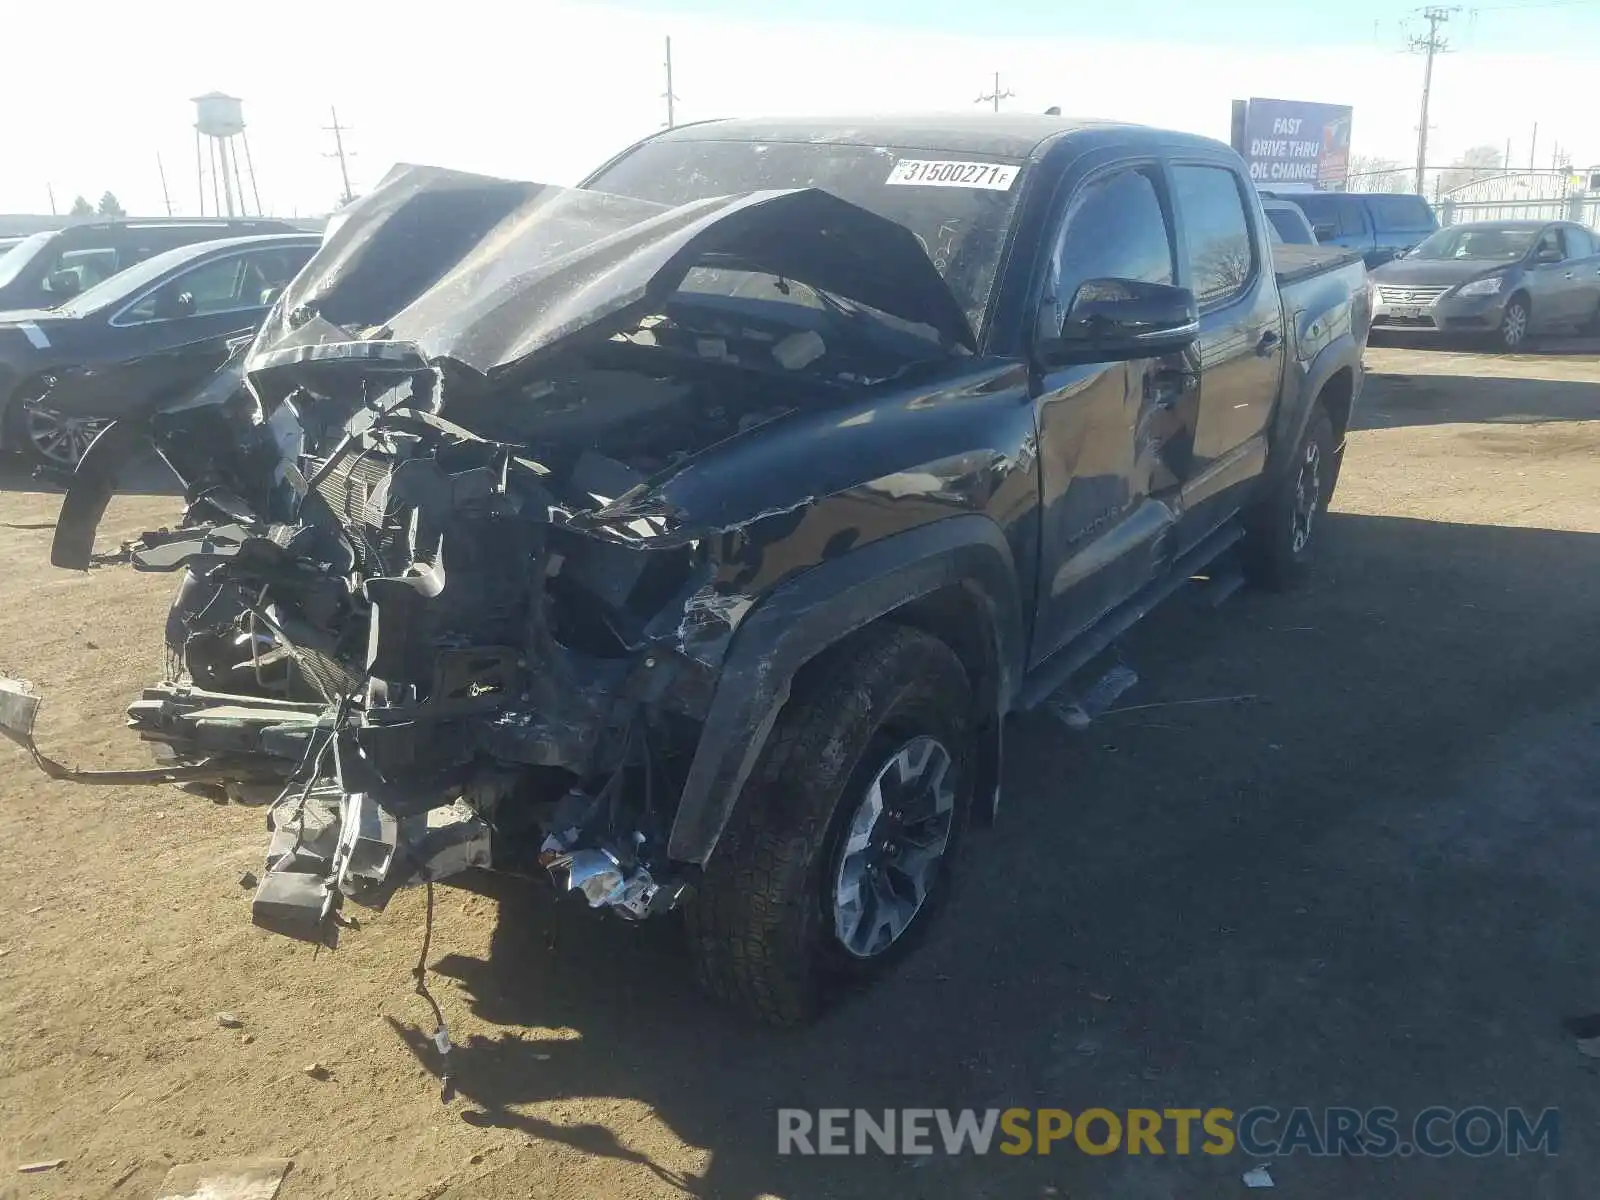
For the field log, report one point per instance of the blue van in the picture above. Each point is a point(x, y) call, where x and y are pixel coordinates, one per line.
point(1382, 225)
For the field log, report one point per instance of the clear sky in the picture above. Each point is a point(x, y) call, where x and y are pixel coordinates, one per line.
point(545, 90)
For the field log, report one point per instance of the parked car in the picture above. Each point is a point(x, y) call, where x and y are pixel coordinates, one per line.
point(690, 534)
point(49, 268)
point(1381, 225)
point(148, 333)
point(1505, 280)
point(1288, 223)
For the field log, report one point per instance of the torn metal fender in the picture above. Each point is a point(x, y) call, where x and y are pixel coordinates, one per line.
point(19, 708)
point(814, 611)
point(93, 484)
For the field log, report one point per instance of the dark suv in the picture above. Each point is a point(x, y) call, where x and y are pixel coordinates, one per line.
point(50, 268)
point(1381, 225)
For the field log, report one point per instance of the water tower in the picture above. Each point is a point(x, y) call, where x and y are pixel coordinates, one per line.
point(218, 132)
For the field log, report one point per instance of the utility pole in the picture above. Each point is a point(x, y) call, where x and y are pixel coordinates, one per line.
point(668, 95)
point(165, 194)
point(338, 132)
point(1533, 145)
point(997, 95)
point(52, 191)
point(1428, 46)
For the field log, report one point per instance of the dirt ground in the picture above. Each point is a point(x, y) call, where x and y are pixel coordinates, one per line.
point(1374, 884)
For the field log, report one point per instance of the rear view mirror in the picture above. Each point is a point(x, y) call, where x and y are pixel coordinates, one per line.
point(63, 283)
point(1111, 319)
point(1324, 231)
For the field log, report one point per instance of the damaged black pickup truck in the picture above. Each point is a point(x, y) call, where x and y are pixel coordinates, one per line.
point(688, 536)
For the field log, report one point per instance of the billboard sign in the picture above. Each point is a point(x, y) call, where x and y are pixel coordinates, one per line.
point(1297, 144)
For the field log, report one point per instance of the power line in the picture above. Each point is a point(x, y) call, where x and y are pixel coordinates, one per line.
point(1428, 46)
point(338, 132)
point(997, 95)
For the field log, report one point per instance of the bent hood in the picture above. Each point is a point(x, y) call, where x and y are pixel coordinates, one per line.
point(492, 273)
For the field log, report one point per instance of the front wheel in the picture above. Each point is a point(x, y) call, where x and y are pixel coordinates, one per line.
point(1281, 530)
point(48, 439)
point(839, 851)
point(1514, 324)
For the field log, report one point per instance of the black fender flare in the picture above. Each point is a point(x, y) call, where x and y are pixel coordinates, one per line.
point(804, 616)
point(94, 482)
point(1289, 425)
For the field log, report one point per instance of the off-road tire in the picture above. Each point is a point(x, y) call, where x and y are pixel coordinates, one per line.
point(760, 925)
point(1269, 553)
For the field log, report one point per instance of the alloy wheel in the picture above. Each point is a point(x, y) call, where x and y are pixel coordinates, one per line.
point(1307, 496)
point(58, 440)
point(1514, 325)
point(894, 847)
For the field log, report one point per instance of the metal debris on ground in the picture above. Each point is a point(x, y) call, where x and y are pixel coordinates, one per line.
point(1258, 1177)
point(225, 1179)
point(47, 1164)
point(228, 1021)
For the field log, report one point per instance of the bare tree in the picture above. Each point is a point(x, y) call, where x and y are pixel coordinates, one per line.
point(1224, 266)
point(1478, 163)
point(1369, 173)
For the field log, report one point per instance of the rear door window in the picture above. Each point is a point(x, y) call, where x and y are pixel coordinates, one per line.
point(1400, 214)
point(1330, 215)
point(1580, 243)
point(1222, 254)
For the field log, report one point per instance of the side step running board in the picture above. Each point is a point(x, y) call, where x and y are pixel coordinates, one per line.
point(1052, 675)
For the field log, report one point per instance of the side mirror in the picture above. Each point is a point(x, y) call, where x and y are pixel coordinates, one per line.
point(1547, 254)
point(1324, 231)
point(1112, 319)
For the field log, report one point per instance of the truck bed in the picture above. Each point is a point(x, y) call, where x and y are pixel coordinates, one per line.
point(1293, 263)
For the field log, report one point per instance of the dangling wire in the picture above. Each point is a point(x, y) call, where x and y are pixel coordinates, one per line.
point(441, 1035)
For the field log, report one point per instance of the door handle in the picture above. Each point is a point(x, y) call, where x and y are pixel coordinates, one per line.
point(1269, 342)
point(1570, 275)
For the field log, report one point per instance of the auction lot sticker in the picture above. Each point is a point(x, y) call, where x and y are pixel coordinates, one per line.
point(929, 172)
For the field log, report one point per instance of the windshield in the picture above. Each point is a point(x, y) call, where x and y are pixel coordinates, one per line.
point(1477, 243)
point(15, 260)
point(959, 212)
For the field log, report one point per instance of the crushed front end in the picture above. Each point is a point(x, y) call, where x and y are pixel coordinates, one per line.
point(438, 602)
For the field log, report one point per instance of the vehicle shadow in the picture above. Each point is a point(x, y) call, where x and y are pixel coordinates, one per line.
point(1370, 881)
point(1393, 400)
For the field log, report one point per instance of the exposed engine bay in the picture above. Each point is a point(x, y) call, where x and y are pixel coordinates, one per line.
point(437, 599)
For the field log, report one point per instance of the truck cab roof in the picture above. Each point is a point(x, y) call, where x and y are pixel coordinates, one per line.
point(1002, 135)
